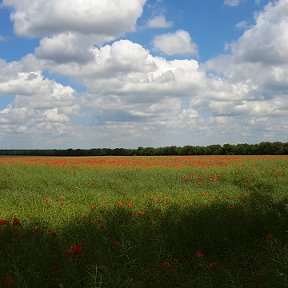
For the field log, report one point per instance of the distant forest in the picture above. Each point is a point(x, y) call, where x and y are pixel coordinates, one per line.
point(263, 148)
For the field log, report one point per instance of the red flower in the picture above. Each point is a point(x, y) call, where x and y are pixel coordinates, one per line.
point(213, 265)
point(51, 234)
point(74, 251)
point(62, 203)
point(269, 236)
point(93, 207)
point(200, 254)
point(4, 222)
point(140, 213)
point(16, 222)
point(8, 281)
point(129, 204)
point(54, 267)
point(166, 264)
point(36, 229)
point(120, 203)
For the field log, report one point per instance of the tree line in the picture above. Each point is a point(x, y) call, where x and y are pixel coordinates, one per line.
point(263, 148)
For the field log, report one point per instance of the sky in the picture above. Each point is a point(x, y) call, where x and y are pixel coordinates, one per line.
point(130, 73)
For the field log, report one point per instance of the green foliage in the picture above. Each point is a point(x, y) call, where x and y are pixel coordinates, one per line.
point(263, 148)
point(185, 227)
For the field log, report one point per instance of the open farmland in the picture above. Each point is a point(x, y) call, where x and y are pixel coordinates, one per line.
point(183, 221)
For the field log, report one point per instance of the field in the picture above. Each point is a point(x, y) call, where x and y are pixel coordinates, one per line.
point(183, 221)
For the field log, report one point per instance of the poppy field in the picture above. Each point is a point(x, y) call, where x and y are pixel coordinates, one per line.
point(175, 221)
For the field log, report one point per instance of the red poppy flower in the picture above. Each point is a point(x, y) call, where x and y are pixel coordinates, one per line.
point(36, 229)
point(51, 234)
point(200, 254)
point(213, 265)
point(62, 203)
point(77, 248)
point(16, 222)
point(120, 203)
point(166, 264)
point(129, 204)
point(101, 226)
point(54, 267)
point(74, 252)
point(4, 222)
point(8, 281)
point(269, 236)
point(140, 213)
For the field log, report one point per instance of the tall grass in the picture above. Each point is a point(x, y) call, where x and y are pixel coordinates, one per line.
point(190, 227)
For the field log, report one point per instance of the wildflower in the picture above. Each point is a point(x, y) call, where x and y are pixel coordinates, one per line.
point(51, 234)
point(77, 248)
point(213, 265)
point(166, 264)
point(129, 204)
point(4, 222)
point(54, 267)
point(269, 236)
point(120, 203)
point(16, 222)
point(140, 213)
point(8, 281)
point(74, 252)
point(93, 207)
point(48, 200)
point(101, 226)
point(62, 203)
point(36, 229)
point(62, 197)
point(200, 254)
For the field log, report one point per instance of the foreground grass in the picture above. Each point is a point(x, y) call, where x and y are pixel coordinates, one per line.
point(192, 227)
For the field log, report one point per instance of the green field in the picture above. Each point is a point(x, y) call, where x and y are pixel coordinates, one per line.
point(219, 226)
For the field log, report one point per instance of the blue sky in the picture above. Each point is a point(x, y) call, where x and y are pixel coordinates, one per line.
point(131, 73)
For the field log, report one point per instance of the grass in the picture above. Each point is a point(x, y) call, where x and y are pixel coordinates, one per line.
point(191, 227)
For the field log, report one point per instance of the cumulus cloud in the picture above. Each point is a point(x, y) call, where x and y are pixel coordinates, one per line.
point(40, 18)
point(39, 105)
point(266, 41)
point(159, 21)
point(71, 29)
point(149, 100)
point(66, 47)
point(179, 42)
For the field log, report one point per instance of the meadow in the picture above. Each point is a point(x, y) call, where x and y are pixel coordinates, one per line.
point(183, 221)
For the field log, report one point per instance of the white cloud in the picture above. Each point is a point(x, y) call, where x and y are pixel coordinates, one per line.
point(159, 21)
point(243, 25)
point(101, 17)
point(179, 42)
point(266, 41)
point(131, 94)
point(232, 3)
point(66, 47)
